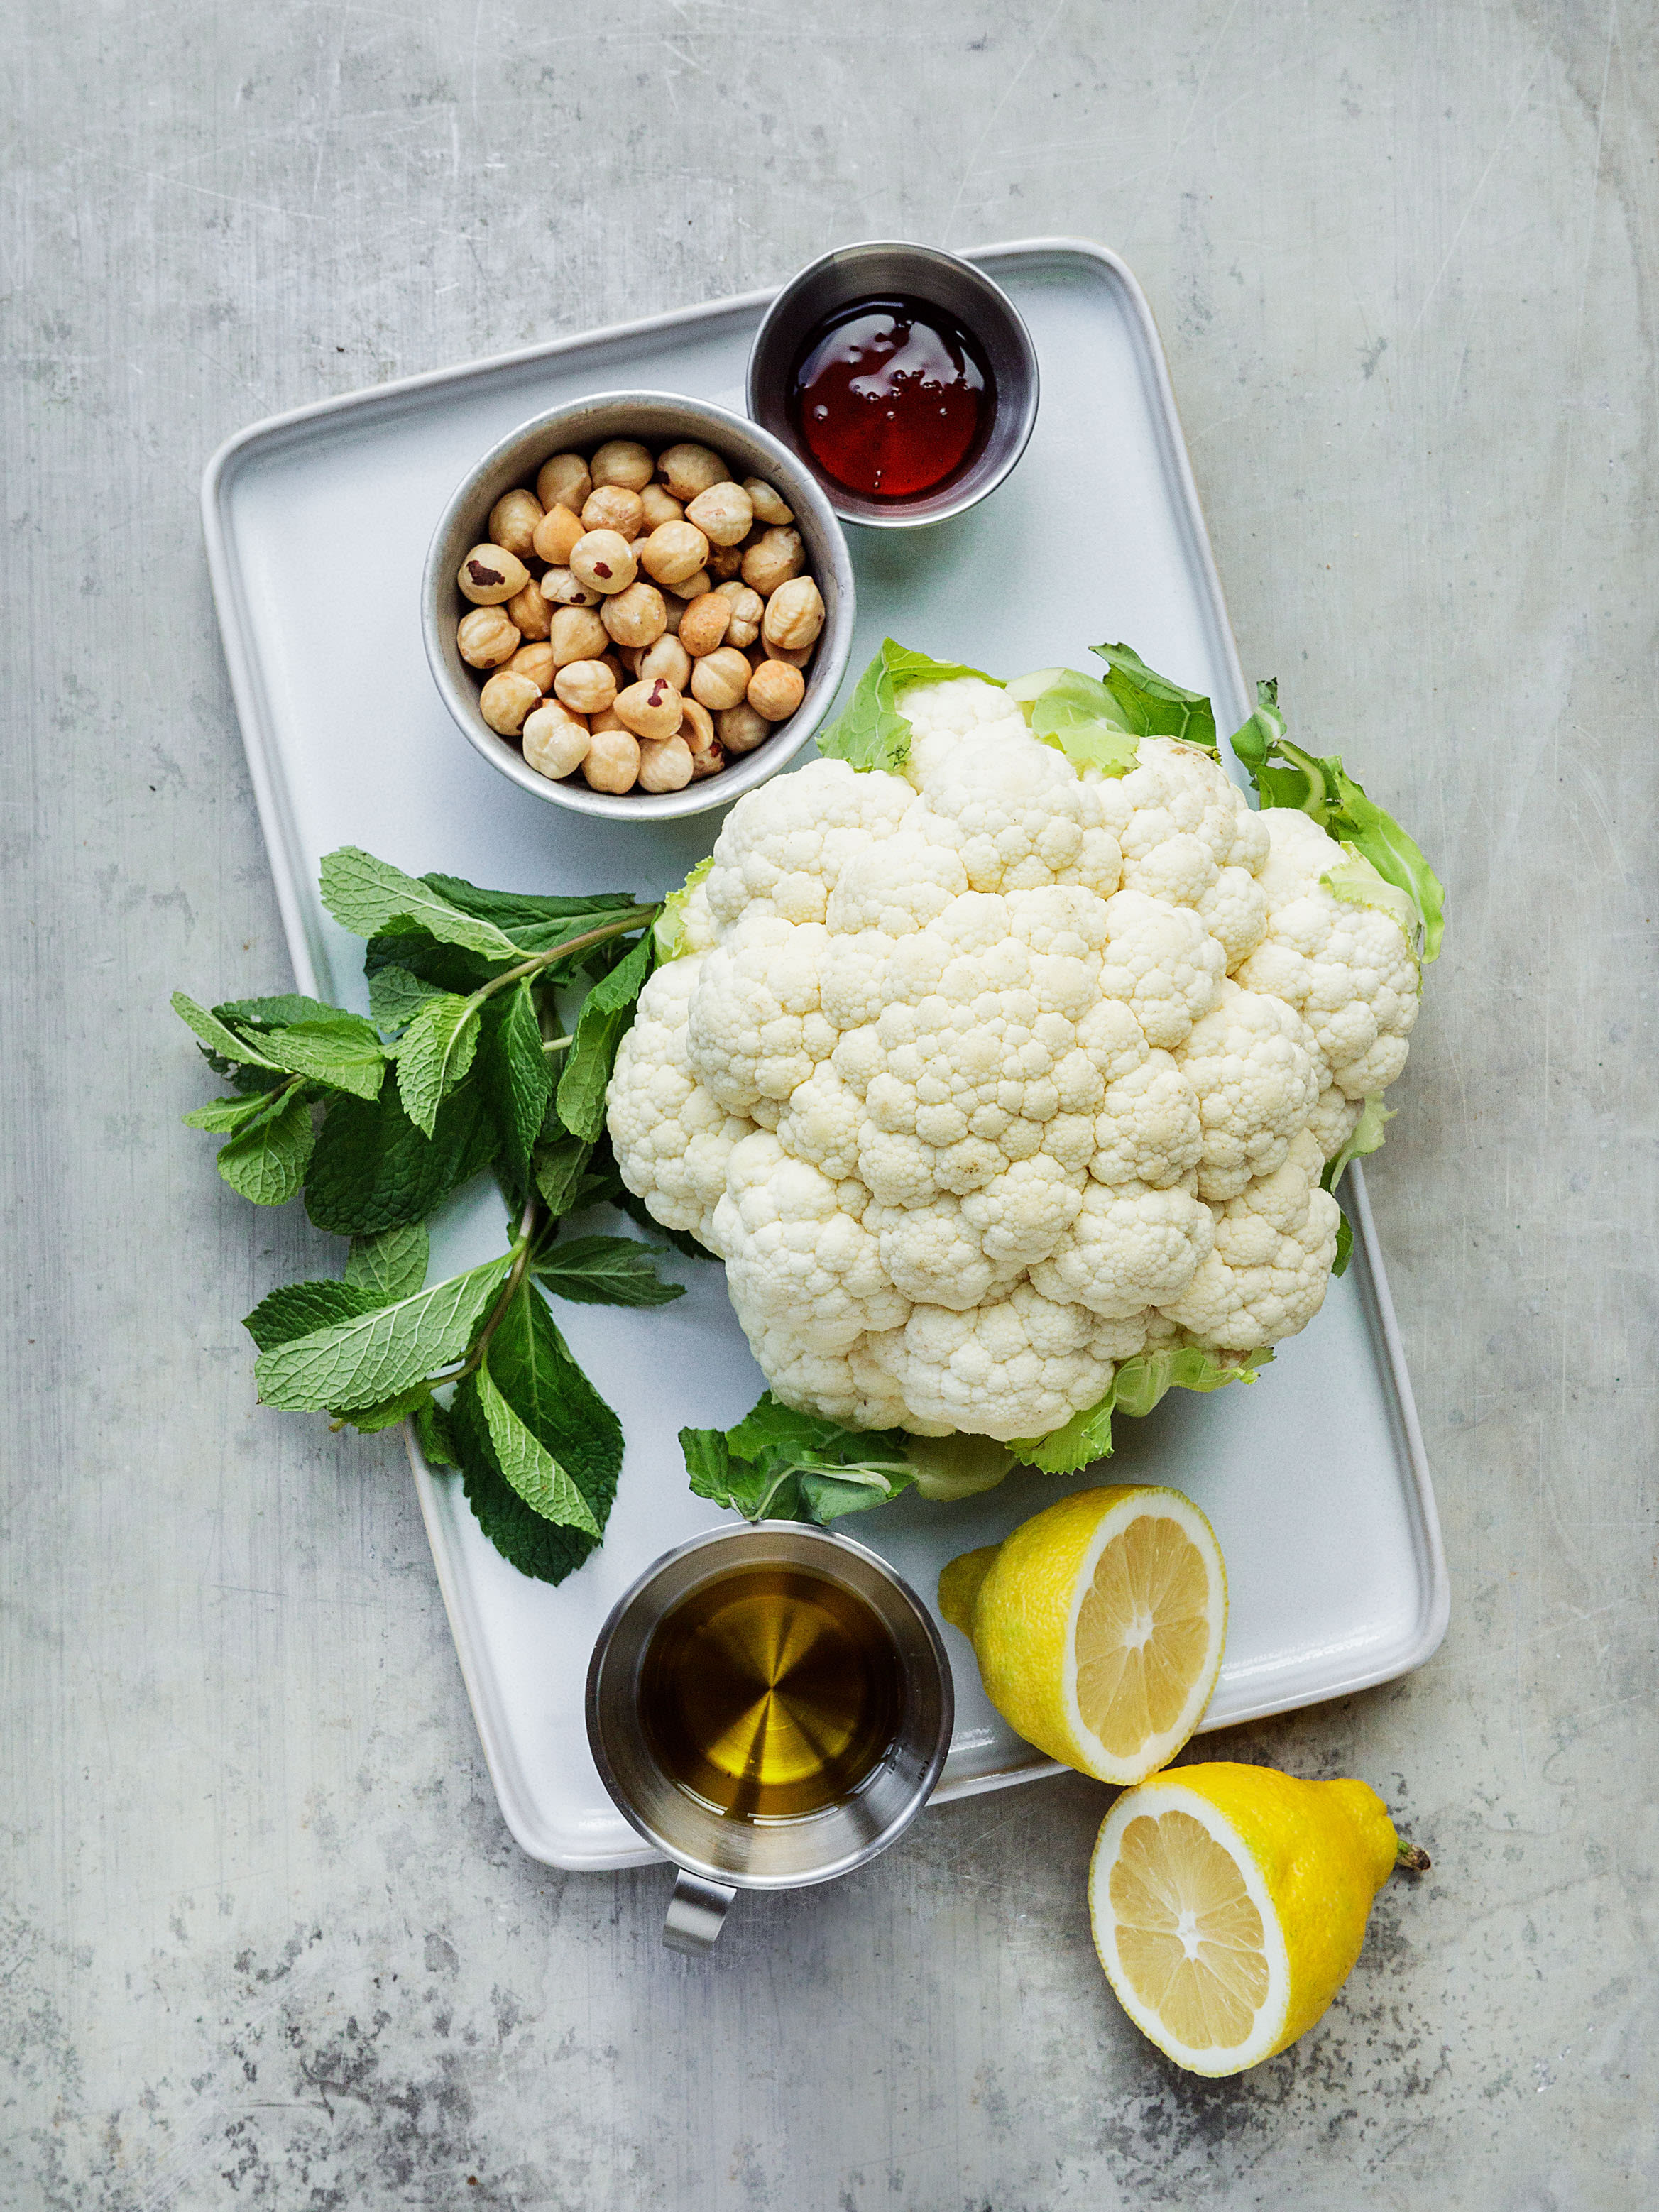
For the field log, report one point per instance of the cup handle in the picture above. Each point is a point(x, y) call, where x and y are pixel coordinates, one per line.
point(697, 1913)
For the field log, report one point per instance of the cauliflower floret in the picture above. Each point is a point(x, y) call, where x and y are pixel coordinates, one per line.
point(1254, 1065)
point(983, 1077)
point(1129, 1247)
point(1274, 1244)
point(1348, 970)
point(672, 1136)
point(1017, 1367)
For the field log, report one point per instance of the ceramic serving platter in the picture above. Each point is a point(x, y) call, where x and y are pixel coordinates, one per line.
point(1315, 1478)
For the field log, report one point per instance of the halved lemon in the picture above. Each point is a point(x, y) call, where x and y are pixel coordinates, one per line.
point(1229, 1906)
point(1098, 1625)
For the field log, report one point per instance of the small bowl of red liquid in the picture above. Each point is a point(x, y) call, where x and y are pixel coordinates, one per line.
point(903, 378)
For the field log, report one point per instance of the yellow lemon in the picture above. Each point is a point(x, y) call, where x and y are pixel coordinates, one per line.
point(1229, 1904)
point(1098, 1626)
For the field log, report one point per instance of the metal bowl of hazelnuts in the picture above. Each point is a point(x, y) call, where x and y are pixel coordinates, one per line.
point(638, 606)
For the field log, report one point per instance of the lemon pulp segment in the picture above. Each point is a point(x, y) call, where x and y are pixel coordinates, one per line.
point(1143, 1633)
point(1189, 1940)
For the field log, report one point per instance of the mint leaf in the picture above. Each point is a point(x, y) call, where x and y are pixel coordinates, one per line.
point(1077, 715)
point(221, 1043)
point(531, 1367)
point(224, 1117)
point(604, 1271)
point(388, 1413)
point(396, 995)
point(392, 1265)
point(432, 1055)
point(1283, 775)
point(359, 1361)
point(336, 1047)
point(514, 1073)
point(668, 931)
point(372, 898)
point(1153, 706)
point(372, 1169)
point(274, 1012)
point(267, 1161)
point(606, 1012)
point(680, 1240)
point(871, 732)
point(297, 1309)
point(435, 1436)
point(560, 1170)
point(536, 921)
point(527, 1464)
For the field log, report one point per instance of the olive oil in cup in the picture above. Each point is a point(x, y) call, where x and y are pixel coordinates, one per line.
point(769, 1706)
point(771, 1693)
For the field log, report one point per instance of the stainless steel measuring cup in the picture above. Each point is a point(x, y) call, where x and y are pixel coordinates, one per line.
point(717, 1853)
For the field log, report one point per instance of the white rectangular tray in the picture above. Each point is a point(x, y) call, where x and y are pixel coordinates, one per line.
point(1315, 1478)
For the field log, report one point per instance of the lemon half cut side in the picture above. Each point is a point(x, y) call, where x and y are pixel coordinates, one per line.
point(1099, 1626)
point(1229, 1904)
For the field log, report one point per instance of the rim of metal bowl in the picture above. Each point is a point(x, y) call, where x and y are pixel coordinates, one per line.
point(1007, 337)
point(465, 514)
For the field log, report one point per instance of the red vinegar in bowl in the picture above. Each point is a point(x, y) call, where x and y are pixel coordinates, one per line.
point(891, 398)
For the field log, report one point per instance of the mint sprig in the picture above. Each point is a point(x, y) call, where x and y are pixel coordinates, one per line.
point(494, 1020)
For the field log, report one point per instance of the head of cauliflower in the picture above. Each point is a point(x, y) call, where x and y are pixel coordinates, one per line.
point(984, 1077)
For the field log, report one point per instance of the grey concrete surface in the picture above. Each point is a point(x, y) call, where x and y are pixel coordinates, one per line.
point(263, 1939)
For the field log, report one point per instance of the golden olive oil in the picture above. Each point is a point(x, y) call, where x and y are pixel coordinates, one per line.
point(770, 1694)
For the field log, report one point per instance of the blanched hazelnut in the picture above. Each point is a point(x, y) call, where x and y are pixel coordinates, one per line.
point(490, 575)
point(690, 469)
point(563, 481)
point(674, 608)
point(628, 655)
point(623, 461)
point(775, 690)
point(535, 661)
point(772, 560)
point(636, 616)
point(723, 513)
point(611, 507)
point(764, 498)
point(513, 522)
point(796, 656)
point(577, 635)
point(697, 724)
point(721, 678)
point(659, 506)
point(487, 637)
point(725, 562)
point(506, 700)
point(704, 624)
point(673, 552)
point(604, 562)
point(710, 762)
point(530, 610)
point(555, 743)
point(557, 532)
point(607, 719)
point(612, 761)
point(693, 587)
point(650, 710)
point(564, 587)
point(666, 766)
point(747, 610)
point(667, 657)
point(740, 729)
point(794, 614)
point(586, 687)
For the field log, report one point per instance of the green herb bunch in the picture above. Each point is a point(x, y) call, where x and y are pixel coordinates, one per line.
point(493, 1021)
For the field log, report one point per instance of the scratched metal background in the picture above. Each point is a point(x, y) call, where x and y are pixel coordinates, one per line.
point(263, 1940)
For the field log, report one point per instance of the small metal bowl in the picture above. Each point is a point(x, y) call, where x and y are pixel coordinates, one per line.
point(877, 271)
point(657, 419)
